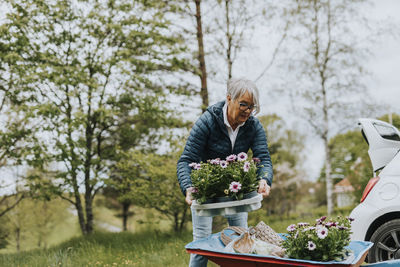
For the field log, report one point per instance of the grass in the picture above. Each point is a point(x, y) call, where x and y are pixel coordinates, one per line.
point(141, 246)
point(108, 249)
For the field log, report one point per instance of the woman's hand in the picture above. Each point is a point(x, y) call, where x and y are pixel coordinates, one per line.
point(189, 197)
point(263, 188)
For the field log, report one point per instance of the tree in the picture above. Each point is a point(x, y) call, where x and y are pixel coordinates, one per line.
point(285, 148)
point(329, 72)
point(152, 179)
point(90, 61)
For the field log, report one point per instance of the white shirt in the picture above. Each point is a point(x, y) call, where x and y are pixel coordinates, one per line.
point(232, 133)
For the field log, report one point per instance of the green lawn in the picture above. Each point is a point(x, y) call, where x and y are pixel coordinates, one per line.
point(108, 249)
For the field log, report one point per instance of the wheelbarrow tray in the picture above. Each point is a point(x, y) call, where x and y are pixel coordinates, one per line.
point(212, 248)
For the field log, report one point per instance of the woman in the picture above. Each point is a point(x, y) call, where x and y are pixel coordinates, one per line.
point(225, 128)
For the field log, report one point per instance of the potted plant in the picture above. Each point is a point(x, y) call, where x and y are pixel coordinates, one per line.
point(323, 241)
point(233, 178)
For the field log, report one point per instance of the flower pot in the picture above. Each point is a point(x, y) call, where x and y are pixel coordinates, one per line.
point(208, 201)
point(250, 195)
point(223, 199)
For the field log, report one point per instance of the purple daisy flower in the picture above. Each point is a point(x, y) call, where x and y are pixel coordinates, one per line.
point(215, 161)
point(192, 164)
point(223, 164)
point(197, 166)
point(291, 228)
point(195, 190)
point(256, 160)
point(246, 166)
point(231, 158)
point(242, 156)
point(322, 232)
point(235, 187)
point(320, 220)
point(311, 245)
point(301, 224)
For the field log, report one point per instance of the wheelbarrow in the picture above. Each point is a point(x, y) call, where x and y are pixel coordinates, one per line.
point(213, 248)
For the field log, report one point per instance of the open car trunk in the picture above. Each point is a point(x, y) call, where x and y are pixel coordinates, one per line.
point(383, 140)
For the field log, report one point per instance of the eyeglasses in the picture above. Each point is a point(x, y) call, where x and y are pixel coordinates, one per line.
point(245, 107)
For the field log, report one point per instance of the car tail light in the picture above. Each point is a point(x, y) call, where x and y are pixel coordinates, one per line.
point(369, 187)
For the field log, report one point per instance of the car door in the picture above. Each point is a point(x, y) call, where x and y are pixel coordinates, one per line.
point(383, 139)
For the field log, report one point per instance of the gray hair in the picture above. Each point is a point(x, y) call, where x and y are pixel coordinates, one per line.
point(238, 87)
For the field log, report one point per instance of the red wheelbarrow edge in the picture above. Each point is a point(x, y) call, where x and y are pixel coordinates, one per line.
point(269, 260)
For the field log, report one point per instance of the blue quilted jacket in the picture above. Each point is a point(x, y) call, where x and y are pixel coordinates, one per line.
point(209, 139)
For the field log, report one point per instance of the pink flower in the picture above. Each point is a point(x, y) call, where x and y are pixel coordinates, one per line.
point(231, 158)
point(256, 160)
point(330, 224)
point(235, 187)
point(242, 156)
point(291, 228)
point(322, 232)
point(311, 245)
point(197, 166)
point(301, 224)
point(320, 220)
point(195, 190)
point(223, 164)
point(215, 161)
point(246, 166)
point(192, 164)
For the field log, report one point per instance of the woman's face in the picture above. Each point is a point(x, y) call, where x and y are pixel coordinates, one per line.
point(237, 111)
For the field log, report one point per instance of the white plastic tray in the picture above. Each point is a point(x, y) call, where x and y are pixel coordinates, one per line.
point(229, 207)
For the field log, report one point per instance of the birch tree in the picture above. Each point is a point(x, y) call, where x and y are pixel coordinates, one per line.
point(328, 62)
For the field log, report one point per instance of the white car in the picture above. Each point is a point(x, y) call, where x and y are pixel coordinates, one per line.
point(377, 217)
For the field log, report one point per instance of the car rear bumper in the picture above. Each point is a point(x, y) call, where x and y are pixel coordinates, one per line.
point(363, 216)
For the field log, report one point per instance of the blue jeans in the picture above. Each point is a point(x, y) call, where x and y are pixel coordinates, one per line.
point(202, 227)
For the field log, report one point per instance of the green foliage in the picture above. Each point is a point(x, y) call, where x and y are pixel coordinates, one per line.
point(216, 178)
point(324, 241)
point(286, 148)
point(90, 87)
point(149, 180)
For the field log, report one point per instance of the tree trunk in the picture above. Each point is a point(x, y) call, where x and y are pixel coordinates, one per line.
point(183, 219)
point(229, 40)
point(125, 215)
point(201, 58)
point(18, 238)
point(89, 212)
point(78, 206)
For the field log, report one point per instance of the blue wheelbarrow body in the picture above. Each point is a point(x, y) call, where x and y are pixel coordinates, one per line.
point(213, 248)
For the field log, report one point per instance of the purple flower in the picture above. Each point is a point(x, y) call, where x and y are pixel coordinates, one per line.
point(246, 166)
point(320, 220)
point(223, 164)
point(231, 158)
point(242, 156)
point(311, 245)
point(256, 160)
point(197, 166)
point(303, 224)
point(235, 187)
point(342, 227)
point(215, 161)
point(291, 228)
point(350, 219)
point(195, 190)
point(330, 224)
point(192, 164)
point(322, 232)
